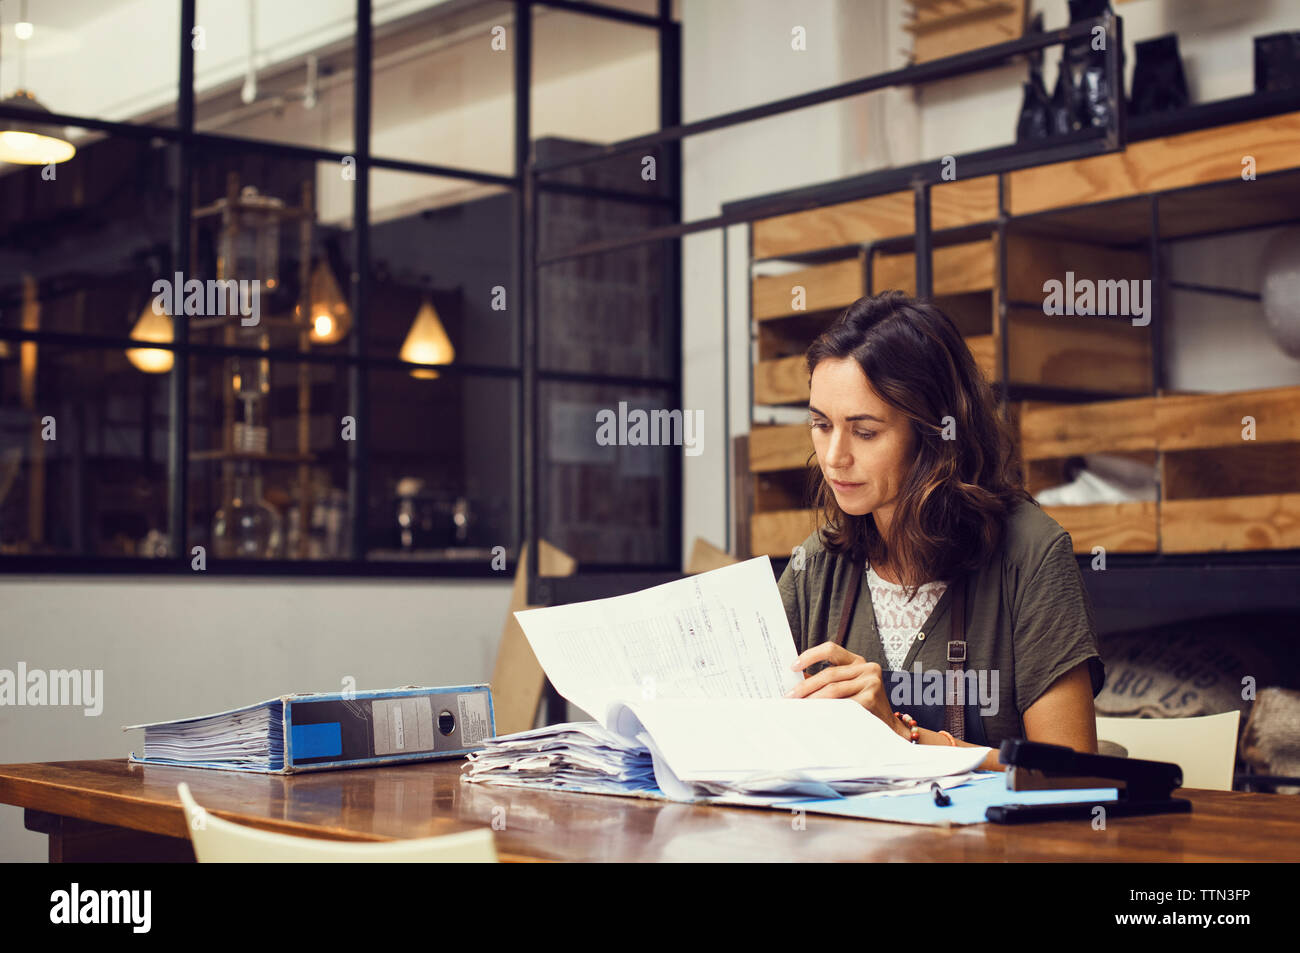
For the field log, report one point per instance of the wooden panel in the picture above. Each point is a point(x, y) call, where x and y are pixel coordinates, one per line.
point(1117, 527)
point(1032, 261)
point(1244, 470)
point(848, 223)
point(791, 335)
point(971, 312)
point(784, 447)
point(783, 381)
point(518, 679)
point(781, 490)
point(964, 202)
point(1231, 523)
point(950, 29)
point(1185, 422)
point(705, 557)
point(778, 533)
point(957, 269)
point(1170, 162)
point(1065, 430)
point(1042, 474)
point(983, 347)
point(826, 287)
point(1096, 354)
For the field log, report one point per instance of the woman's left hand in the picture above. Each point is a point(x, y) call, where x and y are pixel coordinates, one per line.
point(847, 676)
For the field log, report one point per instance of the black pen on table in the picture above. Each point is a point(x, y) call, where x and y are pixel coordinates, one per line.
point(940, 799)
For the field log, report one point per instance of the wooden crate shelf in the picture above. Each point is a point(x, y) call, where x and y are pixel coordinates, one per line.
point(862, 221)
point(1158, 165)
point(826, 287)
point(1094, 218)
point(1117, 527)
point(781, 381)
point(784, 380)
point(776, 533)
point(782, 447)
point(957, 269)
point(1066, 430)
point(1269, 521)
point(947, 27)
point(1190, 421)
point(1218, 491)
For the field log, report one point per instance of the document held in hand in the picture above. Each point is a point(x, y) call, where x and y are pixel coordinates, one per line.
point(696, 670)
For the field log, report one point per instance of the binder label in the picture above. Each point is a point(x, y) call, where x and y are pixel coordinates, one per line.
point(403, 725)
point(474, 723)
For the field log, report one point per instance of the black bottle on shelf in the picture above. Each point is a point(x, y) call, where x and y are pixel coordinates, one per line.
point(1158, 81)
point(1063, 115)
point(1036, 107)
point(1092, 96)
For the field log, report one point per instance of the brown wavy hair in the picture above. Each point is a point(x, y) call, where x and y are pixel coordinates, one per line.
point(953, 506)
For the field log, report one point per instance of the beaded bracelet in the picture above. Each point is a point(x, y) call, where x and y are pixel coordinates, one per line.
point(910, 722)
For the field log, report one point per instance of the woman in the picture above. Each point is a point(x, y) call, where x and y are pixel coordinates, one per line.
point(925, 512)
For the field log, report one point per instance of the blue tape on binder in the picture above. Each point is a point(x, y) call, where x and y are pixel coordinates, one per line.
point(317, 741)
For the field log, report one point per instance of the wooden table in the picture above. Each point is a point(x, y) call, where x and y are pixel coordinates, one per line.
point(113, 810)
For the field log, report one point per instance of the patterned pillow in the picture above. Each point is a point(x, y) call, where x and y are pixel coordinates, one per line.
point(1192, 668)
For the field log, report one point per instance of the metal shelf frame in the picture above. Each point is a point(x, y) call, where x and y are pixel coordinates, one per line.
point(921, 178)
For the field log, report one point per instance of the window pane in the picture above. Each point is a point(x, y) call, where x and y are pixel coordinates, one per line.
point(281, 230)
point(79, 252)
point(83, 452)
point(444, 466)
point(268, 464)
point(594, 80)
point(286, 76)
point(95, 59)
point(451, 245)
point(602, 500)
point(443, 86)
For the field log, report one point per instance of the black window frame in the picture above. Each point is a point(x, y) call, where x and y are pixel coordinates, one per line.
point(523, 184)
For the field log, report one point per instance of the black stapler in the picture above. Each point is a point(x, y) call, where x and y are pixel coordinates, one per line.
point(1143, 786)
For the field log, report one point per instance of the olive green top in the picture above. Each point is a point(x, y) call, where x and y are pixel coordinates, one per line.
point(1029, 620)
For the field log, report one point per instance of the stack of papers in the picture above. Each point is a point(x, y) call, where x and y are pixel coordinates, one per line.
point(247, 737)
point(587, 758)
point(693, 673)
point(578, 756)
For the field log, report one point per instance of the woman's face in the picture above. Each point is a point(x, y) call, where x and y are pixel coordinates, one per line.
point(864, 446)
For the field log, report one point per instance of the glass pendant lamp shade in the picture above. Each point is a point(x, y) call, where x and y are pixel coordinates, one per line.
point(29, 141)
point(331, 318)
point(427, 342)
point(156, 328)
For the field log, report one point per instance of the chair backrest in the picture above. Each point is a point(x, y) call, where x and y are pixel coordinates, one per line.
point(220, 841)
point(1205, 747)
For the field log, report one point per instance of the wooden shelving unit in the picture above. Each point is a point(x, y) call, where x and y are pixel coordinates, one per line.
point(995, 243)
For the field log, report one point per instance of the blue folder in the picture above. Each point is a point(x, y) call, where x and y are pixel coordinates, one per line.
point(969, 801)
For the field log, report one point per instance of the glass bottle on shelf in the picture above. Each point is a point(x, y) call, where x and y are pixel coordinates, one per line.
point(246, 526)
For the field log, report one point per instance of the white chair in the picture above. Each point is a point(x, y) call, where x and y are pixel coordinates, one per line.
point(220, 841)
point(1205, 747)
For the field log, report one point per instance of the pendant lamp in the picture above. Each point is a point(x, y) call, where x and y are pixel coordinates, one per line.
point(427, 342)
point(29, 140)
